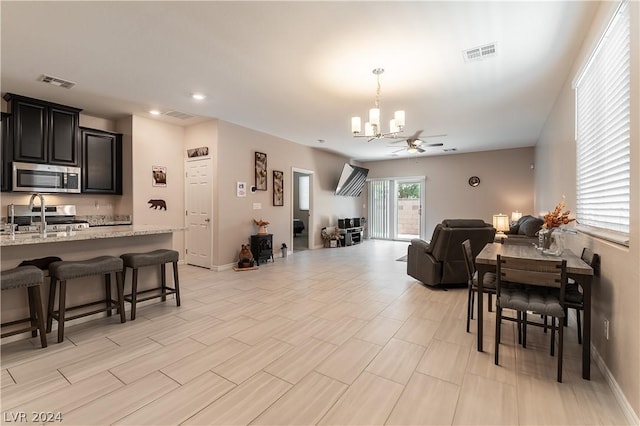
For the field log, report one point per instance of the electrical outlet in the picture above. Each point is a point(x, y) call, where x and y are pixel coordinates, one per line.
point(606, 329)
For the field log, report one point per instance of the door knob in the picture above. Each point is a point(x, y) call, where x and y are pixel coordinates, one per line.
point(207, 220)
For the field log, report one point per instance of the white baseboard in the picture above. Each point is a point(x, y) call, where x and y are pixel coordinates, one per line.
point(627, 409)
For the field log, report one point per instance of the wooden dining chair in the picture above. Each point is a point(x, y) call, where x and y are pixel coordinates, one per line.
point(488, 281)
point(530, 289)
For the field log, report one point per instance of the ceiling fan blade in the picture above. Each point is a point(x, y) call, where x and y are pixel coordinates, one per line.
point(434, 136)
point(399, 150)
point(416, 135)
point(433, 144)
point(370, 139)
point(398, 141)
point(420, 150)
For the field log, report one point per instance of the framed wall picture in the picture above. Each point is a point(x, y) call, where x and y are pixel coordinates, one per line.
point(198, 152)
point(159, 176)
point(278, 188)
point(261, 171)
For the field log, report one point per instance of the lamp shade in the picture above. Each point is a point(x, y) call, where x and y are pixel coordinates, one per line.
point(356, 125)
point(501, 222)
point(515, 216)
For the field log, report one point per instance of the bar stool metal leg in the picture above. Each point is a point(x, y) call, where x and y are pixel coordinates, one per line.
point(120, 285)
point(107, 291)
point(61, 310)
point(176, 282)
point(34, 293)
point(50, 306)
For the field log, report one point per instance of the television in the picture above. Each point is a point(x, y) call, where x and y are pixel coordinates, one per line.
point(351, 181)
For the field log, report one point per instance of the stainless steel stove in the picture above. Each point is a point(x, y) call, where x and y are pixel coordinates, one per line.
point(58, 218)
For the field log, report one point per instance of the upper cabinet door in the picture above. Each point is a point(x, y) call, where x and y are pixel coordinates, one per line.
point(101, 162)
point(44, 132)
point(63, 136)
point(30, 122)
point(7, 151)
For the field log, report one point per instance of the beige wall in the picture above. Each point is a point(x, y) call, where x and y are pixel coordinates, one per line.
point(616, 294)
point(155, 143)
point(237, 146)
point(506, 183)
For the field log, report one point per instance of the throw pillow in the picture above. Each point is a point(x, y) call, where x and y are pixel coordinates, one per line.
point(530, 227)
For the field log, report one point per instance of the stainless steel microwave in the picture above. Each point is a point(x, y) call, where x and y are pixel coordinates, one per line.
point(31, 177)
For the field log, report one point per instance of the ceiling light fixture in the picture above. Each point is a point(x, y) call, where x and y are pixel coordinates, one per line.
point(154, 112)
point(198, 96)
point(372, 128)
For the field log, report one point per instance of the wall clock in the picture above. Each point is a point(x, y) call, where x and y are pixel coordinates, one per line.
point(474, 181)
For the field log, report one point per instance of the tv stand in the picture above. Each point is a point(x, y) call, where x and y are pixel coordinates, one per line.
point(351, 236)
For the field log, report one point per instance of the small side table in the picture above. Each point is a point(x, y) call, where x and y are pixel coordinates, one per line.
point(262, 247)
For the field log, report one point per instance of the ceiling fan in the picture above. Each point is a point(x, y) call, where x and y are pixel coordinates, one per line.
point(415, 143)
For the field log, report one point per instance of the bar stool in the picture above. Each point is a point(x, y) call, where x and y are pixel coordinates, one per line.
point(31, 278)
point(66, 270)
point(157, 257)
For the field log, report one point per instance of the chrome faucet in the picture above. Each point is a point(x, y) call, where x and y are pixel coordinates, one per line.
point(43, 221)
point(12, 210)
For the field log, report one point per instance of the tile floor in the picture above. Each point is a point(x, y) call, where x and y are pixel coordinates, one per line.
point(327, 336)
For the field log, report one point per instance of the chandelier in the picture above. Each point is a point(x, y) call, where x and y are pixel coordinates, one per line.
point(372, 128)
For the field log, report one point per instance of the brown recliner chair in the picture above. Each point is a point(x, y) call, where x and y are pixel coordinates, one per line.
point(441, 260)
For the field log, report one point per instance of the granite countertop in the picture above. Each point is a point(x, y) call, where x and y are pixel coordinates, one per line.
point(93, 233)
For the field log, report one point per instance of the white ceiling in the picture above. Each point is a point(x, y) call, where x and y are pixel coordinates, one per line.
point(301, 70)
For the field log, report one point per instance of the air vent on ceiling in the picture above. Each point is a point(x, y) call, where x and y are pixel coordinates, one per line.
point(56, 81)
point(179, 115)
point(479, 53)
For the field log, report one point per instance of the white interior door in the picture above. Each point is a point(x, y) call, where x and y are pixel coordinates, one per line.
point(198, 220)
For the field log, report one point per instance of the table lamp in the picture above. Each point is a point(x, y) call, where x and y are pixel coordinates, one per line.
point(515, 216)
point(501, 223)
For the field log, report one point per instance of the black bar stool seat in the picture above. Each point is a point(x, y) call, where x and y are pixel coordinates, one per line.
point(156, 257)
point(31, 278)
point(66, 270)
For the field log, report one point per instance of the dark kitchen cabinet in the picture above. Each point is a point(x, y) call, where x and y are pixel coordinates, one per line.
point(6, 149)
point(101, 161)
point(43, 132)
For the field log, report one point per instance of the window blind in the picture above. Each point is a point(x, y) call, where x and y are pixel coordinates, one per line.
point(603, 131)
point(379, 193)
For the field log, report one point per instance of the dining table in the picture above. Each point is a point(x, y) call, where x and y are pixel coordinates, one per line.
point(577, 269)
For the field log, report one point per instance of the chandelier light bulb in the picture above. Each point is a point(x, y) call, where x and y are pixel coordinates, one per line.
point(374, 117)
point(356, 125)
point(368, 129)
point(399, 119)
point(412, 150)
point(392, 126)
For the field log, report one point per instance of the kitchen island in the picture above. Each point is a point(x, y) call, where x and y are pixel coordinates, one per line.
point(93, 233)
point(82, 245)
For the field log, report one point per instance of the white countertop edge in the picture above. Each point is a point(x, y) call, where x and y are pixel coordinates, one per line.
point(88, 234)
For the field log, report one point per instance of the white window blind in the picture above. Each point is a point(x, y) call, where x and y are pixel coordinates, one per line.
point(303, 192)
point(603, 131)
point(379, 194)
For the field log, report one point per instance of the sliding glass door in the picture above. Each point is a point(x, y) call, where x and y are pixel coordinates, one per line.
point(395, 208)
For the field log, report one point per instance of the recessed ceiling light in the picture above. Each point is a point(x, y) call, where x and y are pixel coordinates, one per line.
point(154, 112)
point(198, 96)
point(321, 141)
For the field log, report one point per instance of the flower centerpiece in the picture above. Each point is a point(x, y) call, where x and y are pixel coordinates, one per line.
point(262, 226)
point(557, 217)
point(552, 220)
